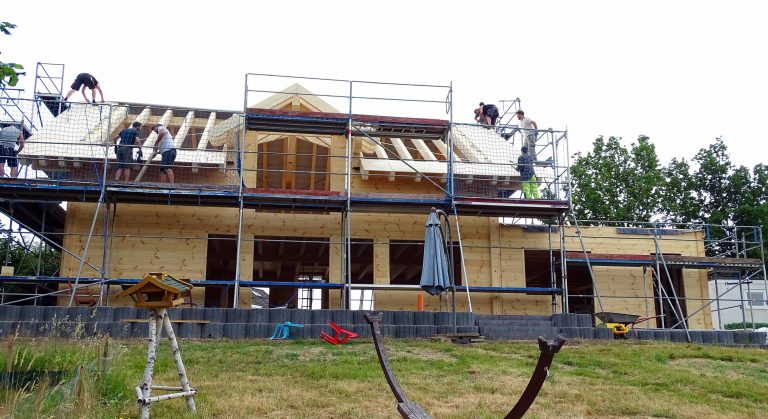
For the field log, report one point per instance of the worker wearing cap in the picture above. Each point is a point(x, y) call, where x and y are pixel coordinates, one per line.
point(164, 146)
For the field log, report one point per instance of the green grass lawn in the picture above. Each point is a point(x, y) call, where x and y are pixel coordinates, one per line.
point(311, 379)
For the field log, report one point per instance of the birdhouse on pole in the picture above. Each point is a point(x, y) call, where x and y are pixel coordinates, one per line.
point(158, 290)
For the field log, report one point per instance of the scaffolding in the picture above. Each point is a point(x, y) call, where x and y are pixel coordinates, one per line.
point(724, 251)
point(307, 149)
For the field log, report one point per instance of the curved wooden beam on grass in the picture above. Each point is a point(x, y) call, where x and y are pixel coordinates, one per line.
point(548, 350)
point(411, 410)
point(407, 408)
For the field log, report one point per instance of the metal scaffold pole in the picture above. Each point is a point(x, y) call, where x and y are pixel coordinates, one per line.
point(99, 203)
point(563, 265)
point(589, 264)
point(451, 192)
point(762, 260)
point(561, 222)
point(241, 171)
point(657, 230)
point(105, 225)
point(346, 224)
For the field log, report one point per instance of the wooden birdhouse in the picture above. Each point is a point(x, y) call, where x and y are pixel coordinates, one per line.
point(158, 290)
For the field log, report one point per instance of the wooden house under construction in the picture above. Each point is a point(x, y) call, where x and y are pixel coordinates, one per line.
point(298, 201)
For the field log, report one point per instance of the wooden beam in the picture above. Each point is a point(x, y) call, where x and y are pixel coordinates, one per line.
point(380, 152)
point(150, 142)
point(264, 172)
point(143, 117)
point(425, 152)
point(108, 125)
point(494, 235)
point(440, 144)
point(223, 164)
point(207, 132)
point(401, 149)
point(313, 168)
point(226, 131)
point(290, 162)
point(381, 262)
point(181, 134)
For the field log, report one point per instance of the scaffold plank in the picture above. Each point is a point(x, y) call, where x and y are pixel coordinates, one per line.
point(693, 262)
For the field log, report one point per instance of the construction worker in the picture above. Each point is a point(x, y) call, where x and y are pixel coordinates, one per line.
point(527, 174)
point(529, 127)
point(164, 146)
point(85, 80)
point(486, 114)
point(128, 139)
point(10, 136)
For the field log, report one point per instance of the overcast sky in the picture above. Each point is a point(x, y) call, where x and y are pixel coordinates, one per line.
point(680, 72)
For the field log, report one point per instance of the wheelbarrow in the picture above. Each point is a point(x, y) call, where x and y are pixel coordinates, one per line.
point(621, 323)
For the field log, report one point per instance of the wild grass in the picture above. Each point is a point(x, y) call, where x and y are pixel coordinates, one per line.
point(311, 379)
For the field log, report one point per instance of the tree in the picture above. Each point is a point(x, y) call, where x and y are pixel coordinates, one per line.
point(645, 181)
point(9, 74)
point(613, 183)
point(713, 183)
point(752, 208)
point(24, 256)
point(679, 203)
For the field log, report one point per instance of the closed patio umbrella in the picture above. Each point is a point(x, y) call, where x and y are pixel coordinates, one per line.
point(436, 269)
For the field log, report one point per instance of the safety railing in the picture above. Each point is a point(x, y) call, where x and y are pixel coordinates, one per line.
point(489, 162)
point(82, 146)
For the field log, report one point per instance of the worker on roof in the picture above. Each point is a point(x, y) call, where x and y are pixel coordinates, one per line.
point(486, 114)
point(529, 127)
point(86, 80)
point(10, 136)
point(164, 146)
point(126, 140)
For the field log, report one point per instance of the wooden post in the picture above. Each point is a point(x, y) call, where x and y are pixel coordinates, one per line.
point(79, 391)
point(9, 353)
point(103, 357)
point(41, 388)
point(146, 165)
point(177, 360)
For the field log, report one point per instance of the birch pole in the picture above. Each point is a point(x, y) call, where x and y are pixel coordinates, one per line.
point(177, 360)
point(146, 382)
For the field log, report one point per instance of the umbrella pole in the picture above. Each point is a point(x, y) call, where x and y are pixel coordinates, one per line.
point(449, 250)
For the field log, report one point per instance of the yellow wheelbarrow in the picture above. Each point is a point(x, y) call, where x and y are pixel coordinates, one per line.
point(621, 323)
